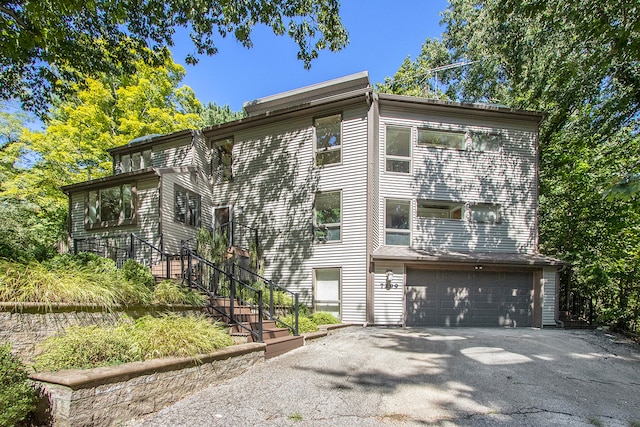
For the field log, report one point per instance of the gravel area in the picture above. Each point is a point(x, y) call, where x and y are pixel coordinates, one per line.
point(414, 377)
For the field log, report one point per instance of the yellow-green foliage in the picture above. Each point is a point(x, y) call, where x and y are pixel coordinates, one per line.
point(305, 324)
point(145, 338)
point(170, 292)
point(17, 394)
point(324, 318)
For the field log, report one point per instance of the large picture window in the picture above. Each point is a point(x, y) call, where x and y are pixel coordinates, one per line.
point(328, 139)
point(111, 206)
point(397, 222)
point(398, 149)
point(444, 139)
point(328, 216)
point(187, 207)
point(327, 290)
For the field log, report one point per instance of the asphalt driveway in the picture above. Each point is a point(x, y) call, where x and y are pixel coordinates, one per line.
point(445, 377)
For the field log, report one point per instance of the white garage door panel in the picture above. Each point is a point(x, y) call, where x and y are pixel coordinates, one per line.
point(468, 298)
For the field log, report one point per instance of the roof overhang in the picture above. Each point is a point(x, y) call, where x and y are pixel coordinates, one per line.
point(410, 255)
point(154, 140)
point(121, 178)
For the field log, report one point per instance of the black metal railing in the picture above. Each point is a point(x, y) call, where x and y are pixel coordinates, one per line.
point(207, 277)
point(112, 247)
point(239, 235)
point(279, 302)
point(150, 255)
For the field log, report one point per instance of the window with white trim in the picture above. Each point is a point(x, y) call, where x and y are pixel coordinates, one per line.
point(486, 142)
point(327, 290)
point(111, 206)
point(440, 209)
point(328, 139)
point(398, 149)
point(134, 161)
point(442, 138)
point(485, 213)
point(397, 222)
point(328, 216)
point(187, 206)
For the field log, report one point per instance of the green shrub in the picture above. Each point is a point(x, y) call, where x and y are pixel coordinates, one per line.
point(305, 324)
point(145, 338)
point(324, 318)
point(18, 397)
point(170, 292)
point(138, 273)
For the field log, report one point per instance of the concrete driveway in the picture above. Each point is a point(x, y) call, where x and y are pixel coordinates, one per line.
point(444, 377)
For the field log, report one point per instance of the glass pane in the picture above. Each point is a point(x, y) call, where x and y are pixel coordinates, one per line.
point(329, 308)
point(400, 166)
point(486, 141)
point(441, 138)
point(125, 163)
point(485, 213)
point(328, 157)
point(127, 202)
point(135, 161)
point(397, 214)
point(194, 210)
point(328, 285)
point(397, 238)
point(398, 141)
point(181, 205)
point(328, 132)
point(146, 159)
point(92, 207)
point(110, 204)
point(328, 208)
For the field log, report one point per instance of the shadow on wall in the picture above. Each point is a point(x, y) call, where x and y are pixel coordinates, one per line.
point(502, 178)
point(275, 184)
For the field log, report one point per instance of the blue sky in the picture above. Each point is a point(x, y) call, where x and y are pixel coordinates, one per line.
point(382, 34)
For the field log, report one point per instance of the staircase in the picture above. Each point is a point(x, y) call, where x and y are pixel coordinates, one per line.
point(277, 339)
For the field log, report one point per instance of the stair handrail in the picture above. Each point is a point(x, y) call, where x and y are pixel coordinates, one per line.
point(237, 238)
point(274, 287)
point(211, 289)
point(163, 255)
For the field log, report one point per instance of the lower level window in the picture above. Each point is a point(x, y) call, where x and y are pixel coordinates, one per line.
point(110, 206)
point(187, 207)
point(397, 222)
point(440, 209)
point(485, 213)
point(327, 290)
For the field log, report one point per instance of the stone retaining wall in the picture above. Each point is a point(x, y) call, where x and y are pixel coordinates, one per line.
point(25, 325)
point(112, 395)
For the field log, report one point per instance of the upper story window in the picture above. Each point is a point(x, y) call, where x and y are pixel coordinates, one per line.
point(111, 206)
point(397, 222)
point(485, 213)
point(135, 161)
point(441, 138)
point(222, 159)
point(485, 141)
point(187, 206)
point(328, 139)
point(440, 209)
point(328, 216)
point(398, 149)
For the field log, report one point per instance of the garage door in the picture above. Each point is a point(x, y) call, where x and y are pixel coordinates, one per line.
point(468, 298)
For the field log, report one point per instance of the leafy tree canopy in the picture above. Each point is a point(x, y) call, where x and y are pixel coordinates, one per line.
point(47, 47)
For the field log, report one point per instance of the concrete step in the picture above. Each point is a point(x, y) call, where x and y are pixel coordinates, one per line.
point(278, 346)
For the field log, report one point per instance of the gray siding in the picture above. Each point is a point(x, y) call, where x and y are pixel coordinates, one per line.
point(147, 223)
point(275, 182)
point(173, 154)
point(507, 178)
point(174, 231)
point(549, 302)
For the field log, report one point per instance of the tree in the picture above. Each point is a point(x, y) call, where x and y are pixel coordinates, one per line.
point(212, 114)
point(104, 113)
point(47, 47)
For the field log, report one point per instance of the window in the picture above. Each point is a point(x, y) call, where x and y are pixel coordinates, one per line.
point(327, 290)
point(398, 222)
point(486, 141)
point(398, 149)
point(135, 161)
point(222, 159)
point(485, 213)
point(110, 206)
point(187, 207)
point(439, 138)
point(439, 209)
point(328, 140)
point(328, 216)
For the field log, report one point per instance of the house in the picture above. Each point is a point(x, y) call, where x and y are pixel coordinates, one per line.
point(382, 209)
